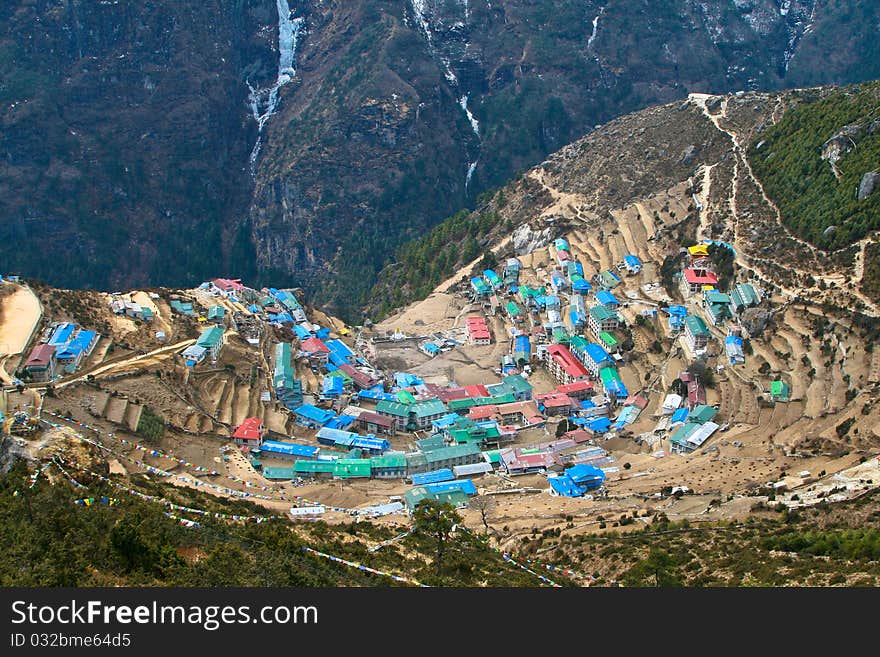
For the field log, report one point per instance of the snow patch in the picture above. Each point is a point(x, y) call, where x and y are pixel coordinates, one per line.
point(264, 102)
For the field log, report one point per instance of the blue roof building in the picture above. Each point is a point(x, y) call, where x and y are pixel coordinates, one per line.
point(433, 477)
point(311, 416)
point(466, 486)
point(282, 449)
point(607, 299)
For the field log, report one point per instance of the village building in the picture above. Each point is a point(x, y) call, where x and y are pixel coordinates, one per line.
point(521, 389)
point(607, 299)
point(602, 319)
point(478, 331)
point(315, 350)
point(562, 364)
point(249, 433)
point(41, 363)
point(212, 340)
point(286, 451)
point(288, 389)
point(696, 333)
point(632, 264)
point(377, 424)
point(717, 306)
point(694, 280)
point(217, 314)
point(779, 391)
point(388, 466)
point(742, 296)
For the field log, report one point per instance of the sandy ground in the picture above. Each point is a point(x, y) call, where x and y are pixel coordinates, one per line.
point(21, 313)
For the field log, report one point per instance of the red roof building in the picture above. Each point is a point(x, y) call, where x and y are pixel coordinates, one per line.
point(228, 284)
point(314, 347)
point(375, 423)
point(478, 331)
point(446, 395)
point(693, 280)
point(478, 390)
point(249, 433)
point(564, 366)
point(577, 390)
point(361, 379)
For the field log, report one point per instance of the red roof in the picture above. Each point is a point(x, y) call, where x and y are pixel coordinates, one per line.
point(315, 346)
point(475, 321)
point(556, 400)
point(448, 394)
point(250, 429)
point(40, 356)
point(360, 378)
point(478, 390)
point(227, 284)
point(563, 255)
point(482, 412)
point(478, 334)
point(375, 418)
point(576, 386)
point(570, 365)
point(578, 435)
point(700, 277)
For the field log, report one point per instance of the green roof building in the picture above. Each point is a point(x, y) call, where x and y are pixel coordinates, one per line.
point(388, 466)
point(446, 457)
point(405, 397)
point(431, 442)
point(413, 496)
point(608, 341)
point(779, 391)
point(212, 340)
point(702, 414)
point(522, 389)
point(351, 468)
point(279, 473)
point(216, 314)
point(416, 462)
point(314, 468)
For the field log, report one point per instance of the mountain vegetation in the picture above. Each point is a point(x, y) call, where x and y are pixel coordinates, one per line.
point(819, 198)
point(46, 539)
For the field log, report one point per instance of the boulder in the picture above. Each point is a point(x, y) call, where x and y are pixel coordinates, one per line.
point(870, 183)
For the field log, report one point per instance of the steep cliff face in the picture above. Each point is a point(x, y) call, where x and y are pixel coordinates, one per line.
point(308, 139)
point(405, 110)
point(124, 138)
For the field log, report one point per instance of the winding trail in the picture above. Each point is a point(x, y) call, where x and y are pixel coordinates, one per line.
point(744, 261)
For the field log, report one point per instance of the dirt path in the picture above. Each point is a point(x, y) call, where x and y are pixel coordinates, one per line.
point(740, 159)
point(20, 315)
point(148, 357)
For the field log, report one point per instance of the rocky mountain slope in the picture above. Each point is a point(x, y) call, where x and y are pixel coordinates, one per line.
point(309, 139)
point(698, 154)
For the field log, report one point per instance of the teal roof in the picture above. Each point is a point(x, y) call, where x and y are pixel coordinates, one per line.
point(696, 325)
point(210, 337)
point(456, 451)
point(392, 408)
point(601, 314)
point(388, 461)
point(351, 468)
point(279, 473)
point(517, 383)
point(313, 467)
point(436, 441)
point(427, 408)
point(714, 296)
point(608, 374)
point(683, 433)
point(702, 414)
point(216, 312)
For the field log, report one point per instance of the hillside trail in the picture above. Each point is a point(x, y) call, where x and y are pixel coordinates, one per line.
point(112, 366)
point(702, 201)
point(700, 100)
